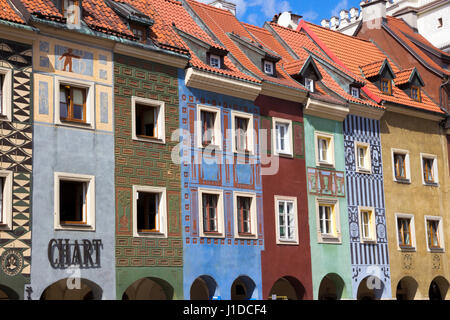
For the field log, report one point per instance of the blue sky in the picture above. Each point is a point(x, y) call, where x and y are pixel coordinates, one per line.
point(256, 12)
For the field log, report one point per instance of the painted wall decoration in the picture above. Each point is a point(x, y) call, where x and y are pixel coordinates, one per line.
point(326, 182)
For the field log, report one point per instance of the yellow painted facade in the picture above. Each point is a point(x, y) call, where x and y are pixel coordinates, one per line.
point(416, 136)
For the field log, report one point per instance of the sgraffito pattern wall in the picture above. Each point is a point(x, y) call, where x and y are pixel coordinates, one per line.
point(16, 156)
point(145, 163)
point(366, 190)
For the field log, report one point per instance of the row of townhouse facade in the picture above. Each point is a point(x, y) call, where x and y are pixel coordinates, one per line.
point(162, 149)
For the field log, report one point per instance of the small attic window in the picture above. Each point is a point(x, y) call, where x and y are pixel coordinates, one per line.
point(355, 92)
point(415, 93)
point(386, 85)
point(139, 32)
point(268, 67)
point(214, 61)
point(309, 84)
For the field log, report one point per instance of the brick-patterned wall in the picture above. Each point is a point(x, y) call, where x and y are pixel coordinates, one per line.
point(145, 163)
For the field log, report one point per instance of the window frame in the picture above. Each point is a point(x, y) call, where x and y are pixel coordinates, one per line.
point(217, 126)
point(160, 125)
point(218, 58)
point(367, 157)
point(279, 240)
point(407, 178)
point(89, 101)
point(412, 231)
point(357, 90)
point(372, 225)
point(272, 66)
point(310, 84)
point(162, 212)
point(90, 194)
point(419, 94)
point(6, 87)
point(336, 236)
point(220, 213)
point(286, 153)
point(330, 150)
point(250, 132)
point(389, 85)
point(253, 216)
point(434, 169)
point(6, 210)
point(440, 233)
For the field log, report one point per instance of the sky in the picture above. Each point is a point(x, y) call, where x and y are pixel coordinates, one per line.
point(256, 12)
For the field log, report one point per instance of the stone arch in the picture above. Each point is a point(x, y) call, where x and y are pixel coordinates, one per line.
point(287, 288)
point(149, 288)
point(243, 288)
point(331, 287)
point(6, 293)
point(370, 288)
point(406, 288)
point(204, 288)
point(438, 288)
point(72, 289)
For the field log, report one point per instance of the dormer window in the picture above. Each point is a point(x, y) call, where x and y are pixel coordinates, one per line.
point(269, 67)
point(354, 91)
point(415, 93)
point(309, 84)
point(386, 86)
point(214, 61)
point(139, 31)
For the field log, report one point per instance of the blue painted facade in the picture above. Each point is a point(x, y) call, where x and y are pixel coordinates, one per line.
point(226, 258)
point(366, 190)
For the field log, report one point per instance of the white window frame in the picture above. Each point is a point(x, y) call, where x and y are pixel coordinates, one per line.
point(90, 198)
point(367, 157)
point(6, 109)
point(214, 56)
point(6, 212)
point(355, 92)
point(217, 126)
point(434, 169)
point(90, 102)
point(277, 199)
point(290, 143)
point(272, 67)
point(412, 228)
point(250, 132)
point(309, 84)
point(372, 228)
point(335, 237)
point(160, 119)
point(253, 216)
point(220, 213)
point(407, 165)
point(330, 151)
point(441, 236)
point(162, 212)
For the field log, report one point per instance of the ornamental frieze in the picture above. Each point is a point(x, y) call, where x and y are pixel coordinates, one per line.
point(324, 182)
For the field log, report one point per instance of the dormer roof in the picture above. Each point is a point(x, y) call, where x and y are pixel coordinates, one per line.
point(377, 68)
point(408, 76)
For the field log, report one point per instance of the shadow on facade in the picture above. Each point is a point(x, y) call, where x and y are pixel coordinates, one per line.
point(438, 288)
point(204, 288)
point(331, 287)
point(406, 289)
point(243, 288)
point(287, 288)
point(72, 289)
point(149, 289)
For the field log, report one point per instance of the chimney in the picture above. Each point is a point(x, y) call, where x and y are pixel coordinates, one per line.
point(344, 21)
point(334, 23)
point(408, 14)
point(325, 23)
point(354, 14)
point(222, 4)
point(373, 13)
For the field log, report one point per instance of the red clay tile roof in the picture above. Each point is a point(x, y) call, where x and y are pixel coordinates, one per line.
point(221, 22)
point(341, 48)
point(403, 76)
point(8, 13)
point(372, 69)
point(401, 29)
point(42, 7)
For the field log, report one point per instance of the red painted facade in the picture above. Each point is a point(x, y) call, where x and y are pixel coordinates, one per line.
point(293, 262)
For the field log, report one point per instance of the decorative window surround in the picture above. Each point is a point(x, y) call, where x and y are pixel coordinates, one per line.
point(220, 213)
point(366, 167)
point(90, 104)
point(161, 220)
point(217, 132)
point(160, 120)
point(288, 143)
point(6, 208)
point(250, 132)
point(6, 87)
point(89, 198)
point(335, 236)
point(367, 234)
point(253, 234)
point(440, 234)
point(410, 217)
point(284, 201)
point(329, 161)
point(407, 178)
point(434, 169)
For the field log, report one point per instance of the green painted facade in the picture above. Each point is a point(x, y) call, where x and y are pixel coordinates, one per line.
point(332, 260)
point(146, 164)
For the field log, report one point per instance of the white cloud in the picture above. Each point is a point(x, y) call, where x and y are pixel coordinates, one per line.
point(343, 4)
point(310, 15)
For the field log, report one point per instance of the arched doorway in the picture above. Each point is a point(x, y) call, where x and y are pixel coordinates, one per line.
point(203, 288)
point(7, 293)
point(370, 288)
point(149, 289)
point(406, 289)
point(287, 288)
point(243, 288)
point(72, 289)
point(438, 288)
point(331, 287)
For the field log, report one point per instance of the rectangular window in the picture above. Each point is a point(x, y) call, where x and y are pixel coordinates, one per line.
point(309, 84)
point(244, 215)
point(429, 169)
point(146, 121)
point(286, 221)
point(363, 159)
point(355, 92)
point(325, 219)
point(140, 32)
point(324, 148)
point(404, 232)
point(210, 221)
point(2, 79)
point(214, 61)
point(72, 103)
point(208, 119)
point(147, 212)
point(386, 86)
point(415, 93)
point(241, 126)
point(433, 233)
point(400, 165)
point(367, 224)
point(6, 200)
point(268, 67)
point(282, 137)
point(208, 127)
point(5, 92)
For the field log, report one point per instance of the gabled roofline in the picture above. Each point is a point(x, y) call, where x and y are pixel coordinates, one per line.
point(269, 28)
point(261, 51)
point(310, 62)
point(200, 42)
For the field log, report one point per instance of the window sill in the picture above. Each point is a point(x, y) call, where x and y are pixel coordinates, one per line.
point(148, 139)
point(212, 235)
point(431, 184)
point(369, 241)
point(325, 164)
point(74, 227)
point(150, 234)
point(284, 155)
point(436, 250)
point(287, 242)
point(407, 249)
point(213, 147)
point(81, 125)
point(402, 181)
point(243, 153)
point(364, 171)
point(328, 239)
point(246, 236)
